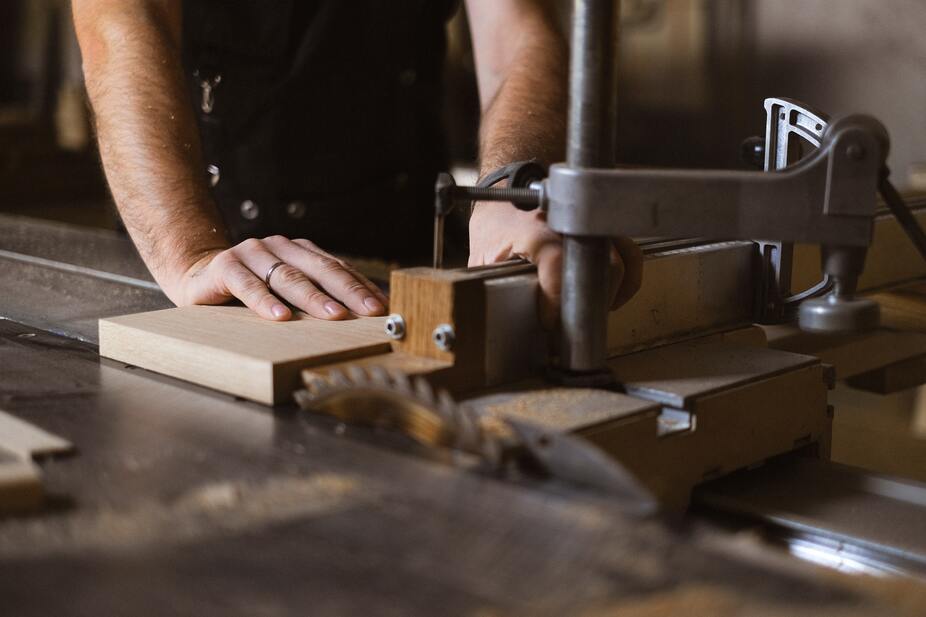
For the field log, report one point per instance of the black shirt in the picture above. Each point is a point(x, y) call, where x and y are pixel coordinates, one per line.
point(326, 117)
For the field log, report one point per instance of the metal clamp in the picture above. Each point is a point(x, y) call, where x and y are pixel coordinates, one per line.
point(523, 191)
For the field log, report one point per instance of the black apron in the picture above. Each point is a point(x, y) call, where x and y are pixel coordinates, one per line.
point(320, 119)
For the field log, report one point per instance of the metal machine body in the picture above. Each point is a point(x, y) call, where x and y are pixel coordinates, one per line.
point(827, 197)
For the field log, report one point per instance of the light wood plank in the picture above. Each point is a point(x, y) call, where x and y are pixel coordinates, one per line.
point(231, 349)
point(20, 479)
point(20, 485)
point(27, 441)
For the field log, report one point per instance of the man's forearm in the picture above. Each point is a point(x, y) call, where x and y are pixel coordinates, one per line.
point(525, 116)
point(147, 133)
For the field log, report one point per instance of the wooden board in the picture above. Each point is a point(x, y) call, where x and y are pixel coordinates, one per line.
point(678, 374)
point(692, 411)
point(231, 349)
point(729, 430)
point(20, 485)
point(27, 441)
point(899, 342)
point(20, 479)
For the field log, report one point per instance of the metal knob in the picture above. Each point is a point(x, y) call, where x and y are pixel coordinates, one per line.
point(834, 314)
point(840, 311)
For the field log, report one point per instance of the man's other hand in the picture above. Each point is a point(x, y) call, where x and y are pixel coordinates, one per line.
point(309, 279)
point(499, 232)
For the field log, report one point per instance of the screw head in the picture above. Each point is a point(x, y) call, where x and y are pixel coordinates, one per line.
point(215, 175)
point(296, 209)
point(395, 327)
point(855, 152)
point(249, 210)
point(444, 337)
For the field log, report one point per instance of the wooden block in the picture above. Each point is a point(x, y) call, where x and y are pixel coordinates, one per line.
point(20, 485)
point(427, 298)
point(903, 308)
point(728, 430)
point(850, 354)
point(20, 479)
point(686, 293)
point(515, 343)
point(891, 259)
point(27, 441)
point(231, 349)
point(678, 374)
point(493, 313)
point(563, 409)
point(728, 406)
point(736, 406)
point(892, 378)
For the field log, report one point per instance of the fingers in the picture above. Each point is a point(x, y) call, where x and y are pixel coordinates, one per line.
point(357, 292)
point(625, 276)
point(243, 284)
point(288, 281)
point(615, 276)
point(373, 287)
point(548, 258)
point(632, 259)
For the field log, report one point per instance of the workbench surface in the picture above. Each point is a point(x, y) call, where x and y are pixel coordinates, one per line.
point(183, 501)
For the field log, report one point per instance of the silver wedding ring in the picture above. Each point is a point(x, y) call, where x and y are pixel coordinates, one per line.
point(270, 273)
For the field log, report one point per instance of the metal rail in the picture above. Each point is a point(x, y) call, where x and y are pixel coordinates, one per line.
point(592, 118)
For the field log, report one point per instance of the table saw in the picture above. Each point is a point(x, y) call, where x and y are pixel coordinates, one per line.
point(180, 499)
point(455, 459)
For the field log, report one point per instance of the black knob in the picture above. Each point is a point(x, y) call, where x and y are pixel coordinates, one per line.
point(752, 152)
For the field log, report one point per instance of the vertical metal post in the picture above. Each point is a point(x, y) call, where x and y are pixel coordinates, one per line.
point(591, 136)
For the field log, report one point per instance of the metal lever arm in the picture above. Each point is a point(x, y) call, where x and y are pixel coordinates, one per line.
point(828, 197)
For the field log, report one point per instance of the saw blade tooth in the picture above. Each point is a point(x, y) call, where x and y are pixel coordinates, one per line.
point(314, 384)
point(424, 391)
point(379, 376)
point(470, 433)
point(337, 379)
point(445, 403)
point(401, 382)
point(357, 375)
point(303, 398)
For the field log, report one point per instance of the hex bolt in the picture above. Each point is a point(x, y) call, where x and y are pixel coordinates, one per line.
point(395, 327)
point(249, 210)
point(215, 174)
point(444, 337)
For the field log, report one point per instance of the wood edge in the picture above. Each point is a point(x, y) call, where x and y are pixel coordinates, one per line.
point(161, 363)
point(21, 488)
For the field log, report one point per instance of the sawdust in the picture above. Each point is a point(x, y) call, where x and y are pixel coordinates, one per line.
point(210, 510)
point(560, 408)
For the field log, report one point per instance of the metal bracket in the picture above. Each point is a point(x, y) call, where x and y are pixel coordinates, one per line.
point(785, 120)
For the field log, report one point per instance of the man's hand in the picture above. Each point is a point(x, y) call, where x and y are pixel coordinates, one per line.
point(499, 232)
point(309, 279)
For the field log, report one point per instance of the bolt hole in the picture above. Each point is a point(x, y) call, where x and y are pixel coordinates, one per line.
point(819, 127)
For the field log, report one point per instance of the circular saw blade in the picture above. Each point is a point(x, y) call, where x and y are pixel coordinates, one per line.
point(376, 396)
